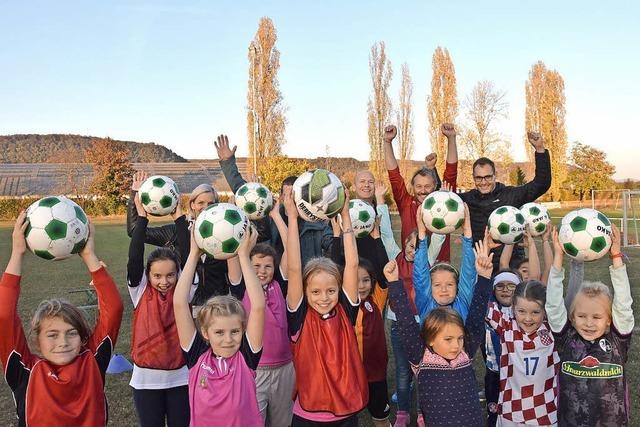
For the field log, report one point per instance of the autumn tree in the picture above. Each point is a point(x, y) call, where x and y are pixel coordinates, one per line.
point(112, 171)
point(591, 170)
point(379, 106)
point(442, 103)
point(273, 170)
point(545, 113)
point(266, 110)
point(404, 117)
point(517, 176)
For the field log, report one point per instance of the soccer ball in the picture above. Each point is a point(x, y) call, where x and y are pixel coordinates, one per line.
point(159, 195)
point(536, 218)
point(506, 225)
point(319, 195)
point(57, 229)
point(363, 216)
point(255, 199)
point(443, 212)
point(219, 230)
point(585, 234)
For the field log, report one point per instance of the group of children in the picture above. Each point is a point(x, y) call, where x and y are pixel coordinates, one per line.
point(304, 345)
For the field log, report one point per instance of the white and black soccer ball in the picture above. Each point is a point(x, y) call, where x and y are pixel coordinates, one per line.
point(159, 195)
point(219, 230)
point(443, 212)
point(536, 218)
point(254, 199)
point(506, 225)
point(363, 217)
point(585, 234)
point(319, 195)
point(57, 228)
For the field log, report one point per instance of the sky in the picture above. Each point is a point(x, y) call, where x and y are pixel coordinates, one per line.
point(175, 72)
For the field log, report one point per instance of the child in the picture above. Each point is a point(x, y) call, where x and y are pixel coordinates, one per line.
point(159, 378)
point(438, 286)
point(528, 361)
point(65, 383)
point(440, 353)
point(275, 375)
point(223, 352)
point(593, 341)
point(331, 384)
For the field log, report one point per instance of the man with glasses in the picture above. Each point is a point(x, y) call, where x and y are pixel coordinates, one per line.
point(489, 194)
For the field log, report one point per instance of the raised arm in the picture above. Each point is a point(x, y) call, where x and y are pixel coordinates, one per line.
point(468, 275)
point(556, 311)
point(450, 175)
point(386, 231)
point(282, 231)
point(181, 310)
point(542, 179)
point(547, 254)
point(421, 274)
point(534, 261)
point(621, 310)
point(135, 263)
point(132, 210)
point(228, 164)
point(350, 274)
point(390, 161)
point(294, 260)
point(255, 320)
point(474, 323)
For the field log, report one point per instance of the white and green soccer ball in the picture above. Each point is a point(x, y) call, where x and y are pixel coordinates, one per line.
point(318, 194)
point(506, 225)
point(254, 199)
point(159, 195)
point(443, 212)
point(536, 218)
point(585, 234)
point(219, 230)
point(363, 217)
point(57, 228)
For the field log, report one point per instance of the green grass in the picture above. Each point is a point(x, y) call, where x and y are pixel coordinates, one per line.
point(44, 279)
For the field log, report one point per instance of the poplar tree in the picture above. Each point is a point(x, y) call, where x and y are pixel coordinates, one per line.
point(379, 106)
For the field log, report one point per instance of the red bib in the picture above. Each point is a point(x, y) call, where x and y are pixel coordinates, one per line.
point(330, 376)
point(154, 341)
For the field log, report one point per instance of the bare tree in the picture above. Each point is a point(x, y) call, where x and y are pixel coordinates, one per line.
point(379, 106)
point(404, 117)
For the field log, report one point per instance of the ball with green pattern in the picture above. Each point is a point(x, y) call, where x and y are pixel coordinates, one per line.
point(319, 195)
point(219, 230)
point(585, 234)
point(507, 225)
point(363, 217)
point(57, 228)
point(443, 212)
point(159, 195)
point(254, 199)
point(536, 218)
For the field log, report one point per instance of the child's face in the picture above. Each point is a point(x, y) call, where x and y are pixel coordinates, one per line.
point(529, 314)
point(504, 293)
point(322, 292)
point(59, 342)
point(523, 270)
point(590, 316)
point(224, 334)
point(449, 342)
point(264, 268)
point(163, 275)
point(443, 287)
point(364, 283)
point(410, 249)
point(201, 202)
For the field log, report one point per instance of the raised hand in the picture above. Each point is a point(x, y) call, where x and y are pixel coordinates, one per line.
point(488, 240)
point(380, 191)
point(422, 229)
point(446, 186)
point(484, 259)
point(535, 139)
point(222, 147)
point(138, 178)
point(431, 160)
point(19, 242)
point(194, 249)
point(289, 204)
point(557, 247)
point(375, 231)
point(615, 240)
point(391, 271)
point(177, 212)
point(249, 242)
point(448, 130)
point(335, 226)
point(466, 225)
point(390, 133)
point(139, 207)
point(546, 236)
point(275, 210)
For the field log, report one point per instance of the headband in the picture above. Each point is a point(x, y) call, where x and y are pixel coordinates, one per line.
point(506, 276)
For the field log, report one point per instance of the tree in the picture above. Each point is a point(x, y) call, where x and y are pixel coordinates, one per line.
point(545, 113)
point(112, 171)
point(379, 106)
point(483, 108)
point(266, 116)
point(404, 117)
point(273, 170)
point(591, 170)
point(442, 104)
point(518, 177)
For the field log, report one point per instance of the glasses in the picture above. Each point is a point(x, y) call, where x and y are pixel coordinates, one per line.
point(487, 178)
point(506, 286)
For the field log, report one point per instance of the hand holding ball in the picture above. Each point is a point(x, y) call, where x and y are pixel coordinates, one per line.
point(159, 195)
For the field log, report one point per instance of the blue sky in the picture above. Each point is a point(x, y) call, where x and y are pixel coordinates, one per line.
point(176, 73)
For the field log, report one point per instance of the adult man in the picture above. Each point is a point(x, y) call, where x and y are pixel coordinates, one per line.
point(489, 194)
point(423, 182)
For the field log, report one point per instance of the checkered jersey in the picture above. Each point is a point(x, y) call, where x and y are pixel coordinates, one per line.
point(528, 371)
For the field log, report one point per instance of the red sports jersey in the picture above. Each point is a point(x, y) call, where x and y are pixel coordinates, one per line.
point(369, 329)
point(47, 394)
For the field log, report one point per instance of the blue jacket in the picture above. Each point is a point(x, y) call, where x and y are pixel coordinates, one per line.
point(422, 280)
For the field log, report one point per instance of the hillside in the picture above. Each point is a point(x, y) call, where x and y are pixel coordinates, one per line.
point(58, 148)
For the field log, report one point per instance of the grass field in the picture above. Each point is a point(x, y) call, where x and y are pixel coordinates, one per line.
point(55, 279)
